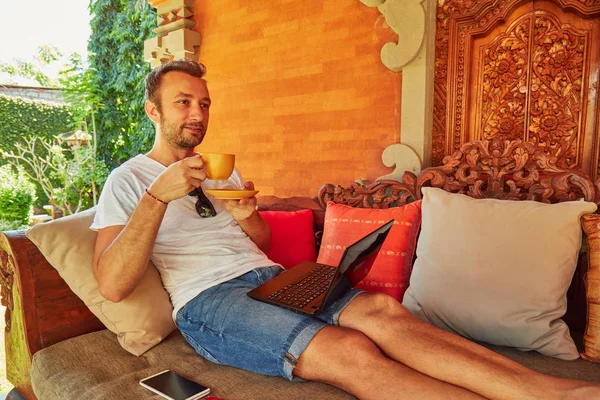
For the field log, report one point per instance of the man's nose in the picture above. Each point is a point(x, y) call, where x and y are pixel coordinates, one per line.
point(196, 112)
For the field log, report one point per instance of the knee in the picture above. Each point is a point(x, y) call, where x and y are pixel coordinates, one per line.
point(352, 345)
point(356, 345)
point(381, 304)
point(336, 349)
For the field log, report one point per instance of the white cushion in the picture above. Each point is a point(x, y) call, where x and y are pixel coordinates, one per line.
point(497, 271)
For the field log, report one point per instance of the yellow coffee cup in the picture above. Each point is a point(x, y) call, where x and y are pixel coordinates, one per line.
point(218, 166)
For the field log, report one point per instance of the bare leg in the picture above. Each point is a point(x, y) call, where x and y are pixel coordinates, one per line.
point(349, 360)
point(451, 358)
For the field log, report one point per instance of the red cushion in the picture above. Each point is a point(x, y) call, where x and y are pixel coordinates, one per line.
point(391, 270)
point(292, 237)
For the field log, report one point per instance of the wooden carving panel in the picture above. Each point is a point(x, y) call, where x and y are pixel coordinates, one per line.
point(510, 70)
point(532, 86)
point(497, 169)
point(505, 61)
point(558, 72)
point(7, 272)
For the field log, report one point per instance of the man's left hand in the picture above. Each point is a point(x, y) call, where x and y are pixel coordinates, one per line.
point(244, 208)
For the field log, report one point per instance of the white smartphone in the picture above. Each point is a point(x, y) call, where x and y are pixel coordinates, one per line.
point(173, 386)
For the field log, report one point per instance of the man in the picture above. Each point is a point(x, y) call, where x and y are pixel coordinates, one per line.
point(210, 254)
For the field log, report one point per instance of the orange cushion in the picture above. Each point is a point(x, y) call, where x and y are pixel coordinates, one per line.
point(391, 270)
point(292, 237)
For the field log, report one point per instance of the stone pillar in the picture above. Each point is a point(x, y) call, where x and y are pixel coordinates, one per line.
point(176, 40)
point(414, 55)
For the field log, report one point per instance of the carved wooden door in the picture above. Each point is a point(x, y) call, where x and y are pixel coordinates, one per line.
point(512, 70)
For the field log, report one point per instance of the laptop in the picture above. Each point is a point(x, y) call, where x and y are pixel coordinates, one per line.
point(309, 288)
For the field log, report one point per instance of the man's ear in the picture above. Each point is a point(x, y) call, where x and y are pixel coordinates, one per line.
point(152, 111)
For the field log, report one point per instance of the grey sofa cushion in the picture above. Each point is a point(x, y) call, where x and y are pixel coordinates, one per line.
point(94, 367)
point(573, 369)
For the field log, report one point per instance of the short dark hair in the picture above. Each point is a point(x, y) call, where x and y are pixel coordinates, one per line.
point(154, 78)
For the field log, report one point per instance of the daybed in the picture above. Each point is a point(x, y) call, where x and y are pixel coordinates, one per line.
point(57, 349)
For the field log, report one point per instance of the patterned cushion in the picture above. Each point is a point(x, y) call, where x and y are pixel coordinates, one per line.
point(391, 270)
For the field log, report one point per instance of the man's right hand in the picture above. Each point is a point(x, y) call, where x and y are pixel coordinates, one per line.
point(179, 179)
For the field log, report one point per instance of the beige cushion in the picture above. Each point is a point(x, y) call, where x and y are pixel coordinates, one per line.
point(497, 271)
point(141, 320)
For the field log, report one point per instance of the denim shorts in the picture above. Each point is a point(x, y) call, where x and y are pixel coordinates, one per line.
point(227, 327)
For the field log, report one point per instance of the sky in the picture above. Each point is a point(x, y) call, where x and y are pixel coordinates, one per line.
point(28, 25)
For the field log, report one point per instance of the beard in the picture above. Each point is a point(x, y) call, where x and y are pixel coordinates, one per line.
point(174, 133)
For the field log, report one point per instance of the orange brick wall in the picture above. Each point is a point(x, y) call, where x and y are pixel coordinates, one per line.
point(299, 91)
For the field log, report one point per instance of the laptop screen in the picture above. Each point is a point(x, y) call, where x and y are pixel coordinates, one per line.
point(359, 257)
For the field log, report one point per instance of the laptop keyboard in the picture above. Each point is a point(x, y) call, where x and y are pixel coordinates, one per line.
point(303, 292)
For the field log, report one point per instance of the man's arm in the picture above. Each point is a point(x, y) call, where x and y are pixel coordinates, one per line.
point(122, 252)
point(244, 212)
point(258, 230)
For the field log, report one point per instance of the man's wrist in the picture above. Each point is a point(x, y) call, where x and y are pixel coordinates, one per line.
point(156, 198)
point(249, 218)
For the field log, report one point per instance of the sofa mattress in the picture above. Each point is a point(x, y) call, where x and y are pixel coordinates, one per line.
point(94, 367)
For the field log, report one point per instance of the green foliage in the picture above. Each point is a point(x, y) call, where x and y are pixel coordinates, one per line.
point(23, 118)
point(17, 194)
point(46, 55)
point(71, 178)
point(79, 88)
point(73, 78)
point(11, 226)
point(119, 28)
point(76, 172)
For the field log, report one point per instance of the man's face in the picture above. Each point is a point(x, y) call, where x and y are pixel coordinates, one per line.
point(183, 109)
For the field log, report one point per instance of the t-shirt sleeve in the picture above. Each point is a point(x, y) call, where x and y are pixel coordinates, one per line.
point(120, 196)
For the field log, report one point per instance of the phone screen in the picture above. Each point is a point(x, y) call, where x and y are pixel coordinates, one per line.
point(174, 386)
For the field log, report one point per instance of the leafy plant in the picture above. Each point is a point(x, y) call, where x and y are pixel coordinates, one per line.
point(109, 93)
point(117, 72)
point(12, 225)
point(77, 82)
point(46, 55)
point(79, 91)
point(21, 118)
point(67, 176)
point(17, 194)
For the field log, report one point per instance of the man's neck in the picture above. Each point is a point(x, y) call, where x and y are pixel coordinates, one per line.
point(166, 155)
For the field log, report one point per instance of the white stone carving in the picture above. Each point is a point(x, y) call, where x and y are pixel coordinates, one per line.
point(179, 44)
point(176, 40)
point(403, 158)
point(407, 19)
point(414, 22)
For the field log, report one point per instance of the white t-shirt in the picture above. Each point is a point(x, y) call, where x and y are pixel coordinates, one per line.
point(191, 253)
